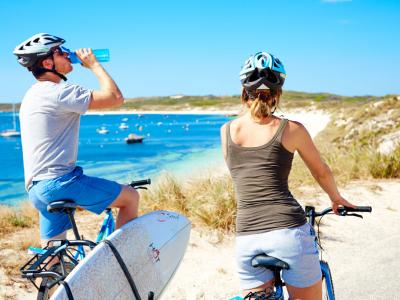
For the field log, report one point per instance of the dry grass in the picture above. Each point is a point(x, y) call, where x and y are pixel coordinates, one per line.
point(386, 166)
point(14, 219)
point(206, 201)
point(349, 143)
point(18, 231)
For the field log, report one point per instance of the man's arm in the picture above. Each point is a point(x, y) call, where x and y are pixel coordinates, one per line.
point(109, 94)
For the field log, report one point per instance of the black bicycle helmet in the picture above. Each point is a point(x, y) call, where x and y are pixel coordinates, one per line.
point(262, 71)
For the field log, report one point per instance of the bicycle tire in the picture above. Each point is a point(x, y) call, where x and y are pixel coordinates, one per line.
point(44, 293)
point(327, 282)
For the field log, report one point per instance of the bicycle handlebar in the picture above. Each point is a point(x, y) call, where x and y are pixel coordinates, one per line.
point(341, 210)
point(138, 183)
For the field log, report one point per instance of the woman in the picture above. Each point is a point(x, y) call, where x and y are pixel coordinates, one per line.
point(258, 149)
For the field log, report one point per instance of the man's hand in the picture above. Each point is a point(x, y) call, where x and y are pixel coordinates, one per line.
point(87, 58)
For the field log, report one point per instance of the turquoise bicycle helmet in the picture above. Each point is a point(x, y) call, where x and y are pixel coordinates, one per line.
point(262, 71)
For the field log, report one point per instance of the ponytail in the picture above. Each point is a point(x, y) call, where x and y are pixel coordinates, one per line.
point(263, 103)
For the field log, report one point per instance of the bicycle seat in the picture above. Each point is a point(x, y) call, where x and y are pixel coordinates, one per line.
point(269, 262)
point(65, 206)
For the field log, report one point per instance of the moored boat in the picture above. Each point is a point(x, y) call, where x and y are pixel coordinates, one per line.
point(133, 138)
point(12, 132)
point(102, 130)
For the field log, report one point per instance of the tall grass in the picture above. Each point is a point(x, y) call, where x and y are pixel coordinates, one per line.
point(13, 219)
point(386, 165)
point(206, 201)
point(18, 230)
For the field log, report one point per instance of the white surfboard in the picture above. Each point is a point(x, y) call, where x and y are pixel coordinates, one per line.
point(152, 247)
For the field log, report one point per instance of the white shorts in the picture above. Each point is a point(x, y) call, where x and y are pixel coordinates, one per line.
point(295, 246)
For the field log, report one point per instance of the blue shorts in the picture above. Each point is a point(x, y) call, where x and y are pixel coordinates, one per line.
point(296, 246)
point(91, 193)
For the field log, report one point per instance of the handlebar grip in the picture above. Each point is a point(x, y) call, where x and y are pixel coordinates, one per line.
point(357, 209)
point(361, 209)
point(140, 182)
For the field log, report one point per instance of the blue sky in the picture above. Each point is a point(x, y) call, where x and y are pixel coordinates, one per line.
point(347, 47)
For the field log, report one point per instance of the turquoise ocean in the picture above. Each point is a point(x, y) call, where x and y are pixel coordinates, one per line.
point(180, 144)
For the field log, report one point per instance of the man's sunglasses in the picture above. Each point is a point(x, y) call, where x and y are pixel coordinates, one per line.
point(59, 51)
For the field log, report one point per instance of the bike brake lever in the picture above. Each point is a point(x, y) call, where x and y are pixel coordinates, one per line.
point(141, 188)
point(355, 215)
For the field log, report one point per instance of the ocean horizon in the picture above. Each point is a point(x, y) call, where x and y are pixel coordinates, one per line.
point(179, 144)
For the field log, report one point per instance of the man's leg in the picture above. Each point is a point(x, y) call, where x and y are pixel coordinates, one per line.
point(61, 236)
point(128, 204)
point(54, 260)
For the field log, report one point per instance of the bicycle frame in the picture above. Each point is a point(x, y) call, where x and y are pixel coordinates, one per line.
point(107, 227)
point(326, 275)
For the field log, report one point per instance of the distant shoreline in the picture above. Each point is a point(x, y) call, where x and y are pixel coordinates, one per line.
point(165, 112)
point(158, 112)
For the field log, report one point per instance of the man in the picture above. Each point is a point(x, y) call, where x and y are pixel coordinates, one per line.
point(50, 117)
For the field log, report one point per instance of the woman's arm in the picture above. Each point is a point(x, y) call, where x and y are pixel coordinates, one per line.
point(304, 144)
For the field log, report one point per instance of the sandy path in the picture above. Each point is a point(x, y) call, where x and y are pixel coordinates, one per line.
point(363, 253)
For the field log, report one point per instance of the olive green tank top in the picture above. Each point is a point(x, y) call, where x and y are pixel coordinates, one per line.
point(260, 177)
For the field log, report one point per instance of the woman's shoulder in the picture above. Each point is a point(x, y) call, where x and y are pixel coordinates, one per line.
point(295, 133)
point(233, 122)
point(295, 126)
point(225, 126)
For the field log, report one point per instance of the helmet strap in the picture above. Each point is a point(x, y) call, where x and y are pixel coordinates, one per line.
point(40, 70)
point(58, 74)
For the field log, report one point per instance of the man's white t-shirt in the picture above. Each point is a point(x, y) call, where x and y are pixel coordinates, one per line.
point(50, 117)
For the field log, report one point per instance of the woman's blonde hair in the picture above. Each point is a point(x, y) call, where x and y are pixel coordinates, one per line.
point(262, 103)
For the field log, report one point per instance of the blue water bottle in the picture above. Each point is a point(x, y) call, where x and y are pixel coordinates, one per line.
point(102, 55)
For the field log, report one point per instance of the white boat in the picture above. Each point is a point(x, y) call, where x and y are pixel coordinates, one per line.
point(123, 126)
point(11, 132)
point(102, 130)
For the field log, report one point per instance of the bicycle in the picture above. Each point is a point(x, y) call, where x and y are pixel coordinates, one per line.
point(276, 265)
point(68, 253)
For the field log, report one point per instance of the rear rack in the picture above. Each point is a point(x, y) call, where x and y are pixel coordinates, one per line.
point(66, 252)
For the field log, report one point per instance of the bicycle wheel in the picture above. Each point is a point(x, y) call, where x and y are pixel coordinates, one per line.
point(44, 292)
point(328, 292)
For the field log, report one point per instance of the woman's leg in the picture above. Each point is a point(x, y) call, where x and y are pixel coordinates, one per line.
point(313, 292)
